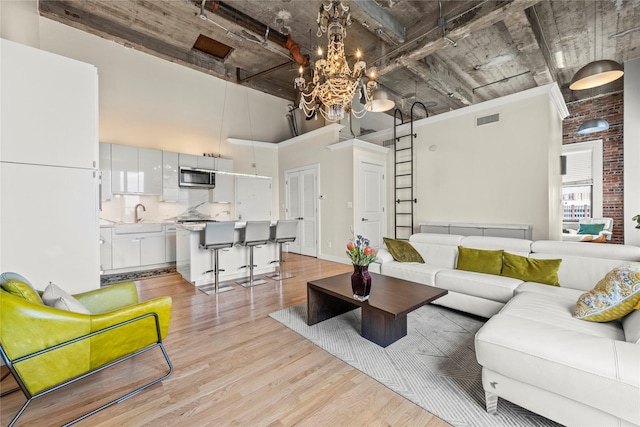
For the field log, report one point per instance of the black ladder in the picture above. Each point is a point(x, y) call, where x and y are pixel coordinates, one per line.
point(403, 176)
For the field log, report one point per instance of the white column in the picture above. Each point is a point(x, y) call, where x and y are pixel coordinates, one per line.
point(631, 150)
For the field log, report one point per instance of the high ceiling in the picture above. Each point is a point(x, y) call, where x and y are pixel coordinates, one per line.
point(446, 54)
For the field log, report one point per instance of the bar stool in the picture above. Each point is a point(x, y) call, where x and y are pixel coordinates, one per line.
point(254, 234)
point(285, 231)
point(217, 235)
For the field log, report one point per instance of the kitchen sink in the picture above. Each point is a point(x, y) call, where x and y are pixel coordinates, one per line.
point(137, 228)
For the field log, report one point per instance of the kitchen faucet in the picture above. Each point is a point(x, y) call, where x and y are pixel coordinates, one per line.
point(135, 212)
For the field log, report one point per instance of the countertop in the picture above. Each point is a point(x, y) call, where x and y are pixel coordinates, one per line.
point(199, 226)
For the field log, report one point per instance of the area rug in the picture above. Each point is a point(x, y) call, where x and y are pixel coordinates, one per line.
point(434, 366)
point(110, 279)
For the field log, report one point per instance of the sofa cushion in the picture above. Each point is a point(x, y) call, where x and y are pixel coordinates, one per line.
point(488, 286)
point(553, 291)
point(631, 326)
point(436, 239)
point(402, 251)
point(514, 246)
point(479, 260)
point(555, 312)
point(20, 287)
point(54, 296)
point(580, 272)
point(596, 371)
point(414, 272)
point(615, 296)
point(543, 271)
point(438, 255)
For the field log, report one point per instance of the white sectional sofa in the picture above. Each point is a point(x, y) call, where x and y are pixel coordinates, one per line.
point(533, 352)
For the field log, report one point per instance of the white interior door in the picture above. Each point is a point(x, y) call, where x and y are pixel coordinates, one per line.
point(372, 200)
point(302, 204)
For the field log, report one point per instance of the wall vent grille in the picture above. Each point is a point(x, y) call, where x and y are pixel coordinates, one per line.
point(485, 120)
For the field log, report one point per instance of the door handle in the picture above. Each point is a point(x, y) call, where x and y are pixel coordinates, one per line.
point(365, 219)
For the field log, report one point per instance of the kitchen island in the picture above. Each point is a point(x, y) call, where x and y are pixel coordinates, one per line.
point(193, 263)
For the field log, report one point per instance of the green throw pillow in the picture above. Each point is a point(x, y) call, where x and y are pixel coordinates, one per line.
point(531, 270)
point(480, 260)
point(22, 290)
point(615, 296)
point(402, 251)
point(590, 229)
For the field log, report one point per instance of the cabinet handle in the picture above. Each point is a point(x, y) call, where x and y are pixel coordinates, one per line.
point(365, 219)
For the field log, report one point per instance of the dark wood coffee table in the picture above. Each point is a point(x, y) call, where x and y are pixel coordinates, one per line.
point(384, 314)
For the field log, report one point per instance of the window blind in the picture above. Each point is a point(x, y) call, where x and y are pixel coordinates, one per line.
point(579, 168)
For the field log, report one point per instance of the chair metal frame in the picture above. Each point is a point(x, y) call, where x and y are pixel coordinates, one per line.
point(280, 236)
point(30, 397)
point(217, 244)
point(252, 226)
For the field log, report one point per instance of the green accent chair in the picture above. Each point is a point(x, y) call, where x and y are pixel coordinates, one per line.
point(47, 348)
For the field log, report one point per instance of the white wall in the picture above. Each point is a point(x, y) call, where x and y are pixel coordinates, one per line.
point(148, 102)
point(631, 150)
point(19, 21)
point(336, 184)
point(506, 172)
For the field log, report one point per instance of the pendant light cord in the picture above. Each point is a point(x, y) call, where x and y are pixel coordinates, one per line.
point(224, 106)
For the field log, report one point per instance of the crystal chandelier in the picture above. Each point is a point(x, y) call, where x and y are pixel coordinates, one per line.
point(334, 84)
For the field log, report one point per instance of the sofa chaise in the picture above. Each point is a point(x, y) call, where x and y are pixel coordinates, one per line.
point(532, 350)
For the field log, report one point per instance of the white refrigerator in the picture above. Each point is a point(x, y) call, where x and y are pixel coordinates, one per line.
point(49, 179)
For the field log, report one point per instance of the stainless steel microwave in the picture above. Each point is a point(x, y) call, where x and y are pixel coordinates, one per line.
point(192, 177)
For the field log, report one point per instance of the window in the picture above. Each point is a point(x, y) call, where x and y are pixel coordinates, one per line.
point(582, 182)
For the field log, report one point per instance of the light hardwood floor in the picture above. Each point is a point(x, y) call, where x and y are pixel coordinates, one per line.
point(233, 365)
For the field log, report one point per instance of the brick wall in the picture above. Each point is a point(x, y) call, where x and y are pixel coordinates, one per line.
point(611, 108)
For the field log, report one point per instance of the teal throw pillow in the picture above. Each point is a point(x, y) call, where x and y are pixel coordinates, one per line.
point(592, 229)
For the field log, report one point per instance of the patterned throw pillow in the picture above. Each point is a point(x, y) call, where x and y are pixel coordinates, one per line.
point(402, 251)
point(615, 296)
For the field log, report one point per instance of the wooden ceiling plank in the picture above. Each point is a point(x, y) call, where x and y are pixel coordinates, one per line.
point(531, 46)
point(443, 79)
point(383, 20)
point(485, 16)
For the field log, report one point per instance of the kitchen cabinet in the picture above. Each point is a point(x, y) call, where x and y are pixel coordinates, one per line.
point(204, 162)
point(225, 184)
point(150, 171)
point(126, 252)
point(170, 177)
point(124, 169)
point(170, 243)
point(152, 250)
point(133, 247)
point(105, 172)
point(136, 170)
point(50, 112)
point(49, 228)
point(188, 160)
point(105, 249)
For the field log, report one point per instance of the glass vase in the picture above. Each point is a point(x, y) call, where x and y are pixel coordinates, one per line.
point(361, 282)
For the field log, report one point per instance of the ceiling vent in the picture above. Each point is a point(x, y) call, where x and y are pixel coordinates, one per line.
point(212, 47)
point(485, 120)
